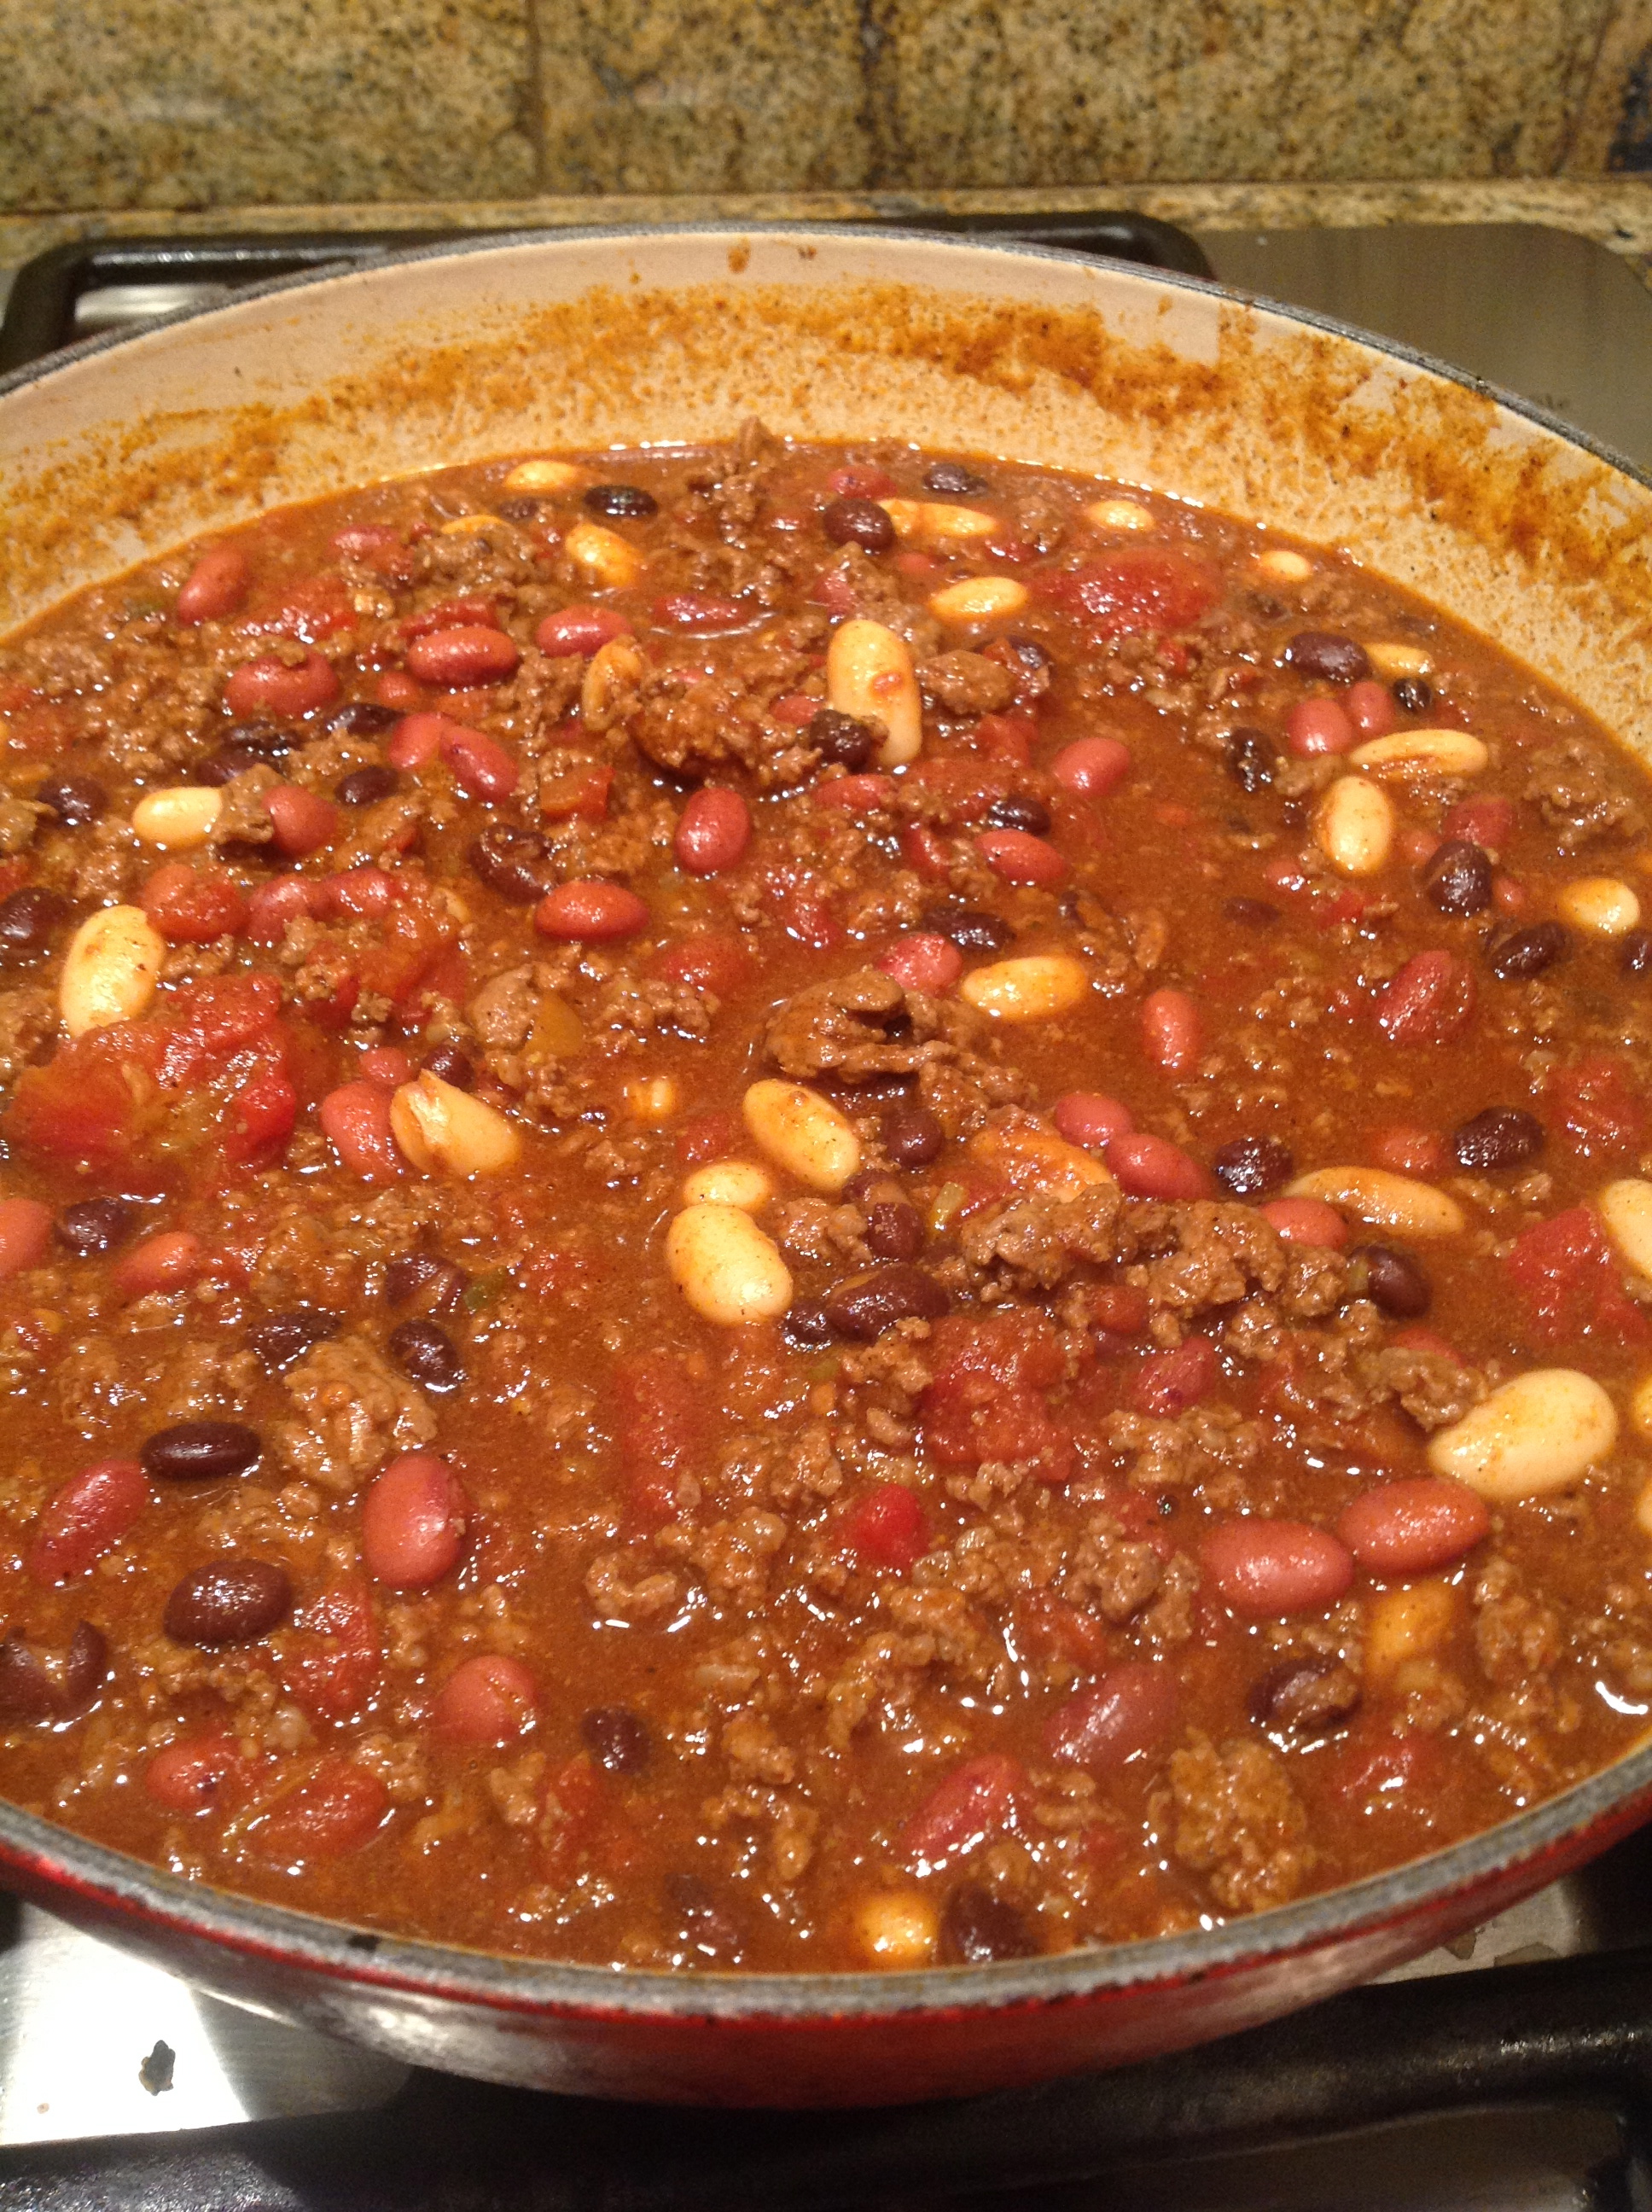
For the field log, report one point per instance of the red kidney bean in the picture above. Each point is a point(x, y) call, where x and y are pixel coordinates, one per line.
point(590, 912)
point(1509, 896)
point(1168, 1383)
point(579, 630)
point(924, 963)
point(38, 1683)
point(214, 586)
point(356, 892)
point(887, 1529)
point(460, 659)
point(1407, 1151)
point(712, 831)
point(25, 1234)
point(417, 740)
point(978, 1928)
point(171, 1260)
point(1091, 1118)
point(1371, 708)
point(387, 1064)
point(1091, 766)
point(193, 1774)
point(85, 1517)
point(1170, 1031)
point(1303, 1699)
point(1314, 727)
point(356, 1120)
point(480, 764)
point(1020, 858)
point(1488, 822)
point(192, 906)
point(269, 686)
point(1430, 1001)
point(1306, 1221)
point(396, 689)
point(230, 1602)
point(304, 821)
point(413, 1522)
point(1267, 1570)
point(1414, 1527)
point(333, 1811)
point(281, 900)
point(487, 1700)
point(1152, 1167)
point(975, 1801)
point(857, 794)
point(703, 611)
point(1129, 1713)
point(1418, 847)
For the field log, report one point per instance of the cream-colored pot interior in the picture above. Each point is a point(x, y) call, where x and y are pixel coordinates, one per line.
point(678, 336)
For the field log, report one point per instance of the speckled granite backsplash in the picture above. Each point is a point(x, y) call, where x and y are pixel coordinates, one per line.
point(189, 103)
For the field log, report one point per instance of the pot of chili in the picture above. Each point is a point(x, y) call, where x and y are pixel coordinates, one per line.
point(822, 1261)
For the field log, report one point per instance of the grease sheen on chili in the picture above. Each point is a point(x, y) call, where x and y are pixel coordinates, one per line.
point(757, 1242)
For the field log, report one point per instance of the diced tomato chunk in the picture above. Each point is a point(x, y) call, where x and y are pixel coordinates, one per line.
point(329, 1663)
point(1600, 1110)
point(659, 1416)
point(985, 1401)
point(887, 1529)
point(192, 906)
point(1565, 1272)
point(1137, 588)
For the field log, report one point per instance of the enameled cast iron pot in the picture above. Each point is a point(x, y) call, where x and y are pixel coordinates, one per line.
point(1487, 507)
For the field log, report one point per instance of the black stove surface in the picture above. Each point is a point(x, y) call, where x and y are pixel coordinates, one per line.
point(1514, 2073)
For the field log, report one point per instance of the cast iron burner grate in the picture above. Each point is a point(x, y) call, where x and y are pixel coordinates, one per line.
point(1512, 2073)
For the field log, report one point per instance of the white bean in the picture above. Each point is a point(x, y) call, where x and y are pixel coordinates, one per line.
point(1119, 515)
point(1382, 1200)
point(898, 1929)
point(1393, 659)
point(616, 670)
point(653, 1098)
point(111, 969)
point(1600, 906)
point(729, 1182)
point(179, 819)
point(1354, 825)
point(979, 600)
point(802, 1133)
point(469, 526)
point(544, 476)
point(1540, 1433)
point(933, 518)
point(1284, 566)
point(1034, 988)
point(1443, 753)
point(870, 675)
point(729, 1271)
point(1031, 1159)
point(1408, 1623)
point(439, 1125)
point(1625, 1211)
point(602, 556)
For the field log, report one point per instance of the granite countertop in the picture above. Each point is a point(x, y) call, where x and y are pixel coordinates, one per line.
point(1617, 210)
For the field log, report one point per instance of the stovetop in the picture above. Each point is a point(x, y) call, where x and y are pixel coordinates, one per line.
point(1510, 2073)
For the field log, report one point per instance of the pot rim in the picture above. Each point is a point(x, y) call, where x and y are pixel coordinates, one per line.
point(108, 1881)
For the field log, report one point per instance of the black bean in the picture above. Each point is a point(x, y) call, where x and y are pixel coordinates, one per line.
point(1526, 952)
point(286, 1337)
point(449, 1065)
point(231, 1602)
point(968, 927)
point(76, 801)
point(521, 508)
point(859, 522)
point(1252, 757)
point(912, 1136)
point(1329, 655)
point(616, 1738)
point(1501, 1137)
point(361, 718)
point(93, 1226)
point(427, 1355)
point(1251, 914)
point(977, 1928)
point(842, 740)
point(806, 1326)
point(1252, 1165)
point(1414, 694)
point(1458, 880)
point(42, 1685)
point(441, 1281)
point(1391, 1278)
point(627, 502)
point(1034, 658)
point(268, 739)
point(513, 862)
point(28, 918)
point(953, 481)
point(895, 1232)
point(1019, 810)
point(1634, 954)
point(200, 1451)
point(707, 1925)
point(867, 1305)
point(365, 787)
point(1305, 1698)
point(229, 761)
